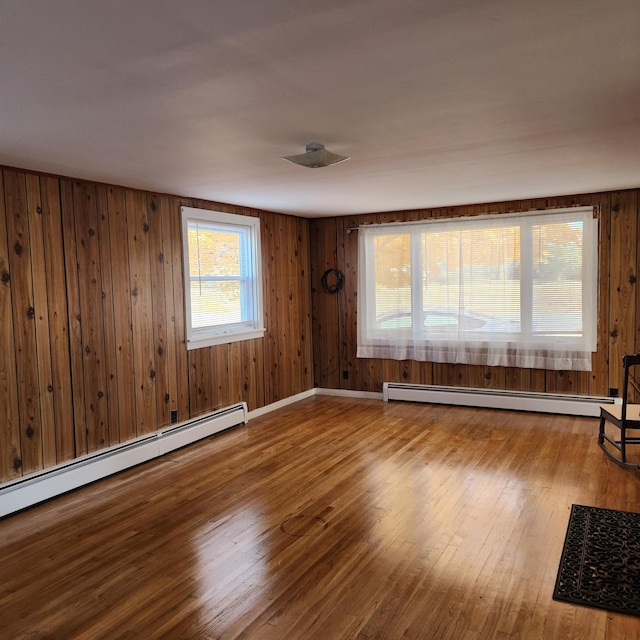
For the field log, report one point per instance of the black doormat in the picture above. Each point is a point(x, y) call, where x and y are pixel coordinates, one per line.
point(600, 564)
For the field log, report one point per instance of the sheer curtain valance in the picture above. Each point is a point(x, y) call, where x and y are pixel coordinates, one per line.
point(516, 290)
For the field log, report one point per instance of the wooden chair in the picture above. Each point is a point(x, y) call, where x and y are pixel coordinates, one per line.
point(624, 417)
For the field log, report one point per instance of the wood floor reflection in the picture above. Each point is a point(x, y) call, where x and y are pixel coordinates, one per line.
point(332, 518)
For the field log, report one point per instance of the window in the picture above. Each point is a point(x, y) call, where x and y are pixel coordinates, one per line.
point(222, 270)
point(513, 290)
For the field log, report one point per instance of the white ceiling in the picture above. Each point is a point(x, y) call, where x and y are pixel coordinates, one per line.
point(438, 102)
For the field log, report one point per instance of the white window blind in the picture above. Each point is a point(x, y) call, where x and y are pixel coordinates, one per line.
point(513, 290)
point(223, 289)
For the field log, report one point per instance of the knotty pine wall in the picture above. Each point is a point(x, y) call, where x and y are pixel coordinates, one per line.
point(92, 336)
point(334, 316)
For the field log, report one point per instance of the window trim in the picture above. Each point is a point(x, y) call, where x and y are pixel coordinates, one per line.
point(199, 337)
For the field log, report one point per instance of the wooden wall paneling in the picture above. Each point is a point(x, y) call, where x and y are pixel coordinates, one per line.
point(91, 315)
point(272, 327)
point(159, 295)
point(58, 318)
point(358, 368)
point(282, 291)
point(376, 374)
point(24, 315)
point(426, 373)
point(290, 346)
point(438, 373)
point(10, 453)
point(221, 352)
point(141, 311)
point(304, 286)
point(346, 361)
point(512, 381)
point(316, 246)
point(538, 380)
point(85, 242)
point(108, 317)
point(390, 370)
point(246, 384)
point(248, 369)
point(235, 372)
point(474, 375)
point(540, 204)
point(517, 379)
point(371, 369)
point(623, 276)
point(299, 318)
point(273, 299)
point(293, 296)
point(599, 377)
point(170, 262)
point(324, 354)
point(205, 379)
point(182, 391)
point(41, 307)
point(409, 371)
point(332, 322)
point(122, 329)
point(260, 373)
point(456, 375)
point(73, 310)
point(636, 290)
point(364, 373)
point(193, 370)
point(494, 377)
point(304, 304)
point(567, 382)
point(444, 373)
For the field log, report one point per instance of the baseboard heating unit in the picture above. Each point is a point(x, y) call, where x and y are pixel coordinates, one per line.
point(497, 399)
point(35, 488)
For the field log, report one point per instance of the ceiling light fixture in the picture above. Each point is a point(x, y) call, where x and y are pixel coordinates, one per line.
point(315, 157)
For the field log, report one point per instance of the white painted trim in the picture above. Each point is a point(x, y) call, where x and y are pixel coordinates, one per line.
point(498, 399)
point(309, 394)
point(260, 411)
point(30, 490)
point(347, 393)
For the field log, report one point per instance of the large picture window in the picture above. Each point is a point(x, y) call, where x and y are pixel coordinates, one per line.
point(517, 290)
point(223, 283)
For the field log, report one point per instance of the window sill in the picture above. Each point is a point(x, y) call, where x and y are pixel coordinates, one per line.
point(223, 338)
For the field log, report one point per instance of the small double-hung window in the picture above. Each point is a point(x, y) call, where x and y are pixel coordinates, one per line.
point(223, 282)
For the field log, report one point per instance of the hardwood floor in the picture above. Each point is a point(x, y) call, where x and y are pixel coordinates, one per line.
point(331, 519)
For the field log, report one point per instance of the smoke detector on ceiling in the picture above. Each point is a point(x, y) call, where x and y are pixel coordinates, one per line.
point(316, 156)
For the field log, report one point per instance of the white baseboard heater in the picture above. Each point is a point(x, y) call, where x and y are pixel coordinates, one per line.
point(29, 490)
point(497, 399)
